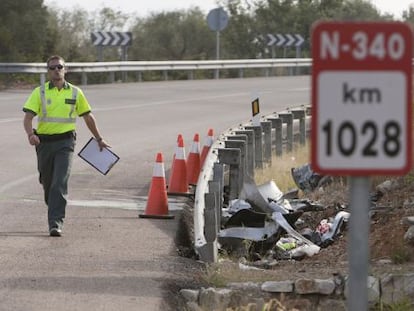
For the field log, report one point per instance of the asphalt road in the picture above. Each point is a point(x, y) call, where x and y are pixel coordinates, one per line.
point(108, 258)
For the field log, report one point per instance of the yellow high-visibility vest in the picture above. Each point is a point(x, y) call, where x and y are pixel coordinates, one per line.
point(56, 109)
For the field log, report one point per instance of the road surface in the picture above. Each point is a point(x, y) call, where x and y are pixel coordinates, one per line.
point(108, 258)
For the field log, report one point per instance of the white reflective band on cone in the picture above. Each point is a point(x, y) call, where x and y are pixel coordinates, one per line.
point(180, 154)
point(158, 170)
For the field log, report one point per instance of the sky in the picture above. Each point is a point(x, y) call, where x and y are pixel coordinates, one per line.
point(145, 7)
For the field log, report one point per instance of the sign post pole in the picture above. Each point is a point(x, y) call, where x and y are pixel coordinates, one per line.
point(217, 20)
point(358, 243)
point(361, 120)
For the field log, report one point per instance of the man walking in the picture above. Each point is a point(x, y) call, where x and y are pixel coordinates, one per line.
point(56, 104)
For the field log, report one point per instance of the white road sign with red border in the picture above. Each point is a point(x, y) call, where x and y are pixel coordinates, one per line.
point(361, 98)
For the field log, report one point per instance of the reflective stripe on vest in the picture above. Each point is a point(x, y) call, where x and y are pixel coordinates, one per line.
point(45, 118)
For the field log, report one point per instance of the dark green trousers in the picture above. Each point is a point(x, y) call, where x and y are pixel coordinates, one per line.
point(54, 162)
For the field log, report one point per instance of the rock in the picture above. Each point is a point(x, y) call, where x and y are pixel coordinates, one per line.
point(395, 288)
point(373, 285)
point(316, 286)
point(192, 306)
point(388, 186)
point(214, 299)
point(278, 287)
point(332, 304)
point(408, 220)
point(409, 235)
point(190, 295)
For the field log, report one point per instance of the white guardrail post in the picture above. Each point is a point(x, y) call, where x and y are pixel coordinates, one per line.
point(233, 154)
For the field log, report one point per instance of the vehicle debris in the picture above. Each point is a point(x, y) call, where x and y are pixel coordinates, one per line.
point(262, 224)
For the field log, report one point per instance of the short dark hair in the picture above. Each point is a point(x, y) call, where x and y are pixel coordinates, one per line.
point(53, 57)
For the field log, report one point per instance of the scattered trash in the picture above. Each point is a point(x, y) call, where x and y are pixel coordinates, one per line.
point(323, 227)
point(270, 191)
point(327, 230)
point(286, 244)
point(262, 223)
point(307, 180)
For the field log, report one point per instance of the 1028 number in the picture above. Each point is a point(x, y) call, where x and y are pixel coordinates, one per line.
point(345, 138)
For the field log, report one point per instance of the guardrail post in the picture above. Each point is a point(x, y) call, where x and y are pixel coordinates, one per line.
point(217, 74)
point(111, 77)
point(210, 250)
point(308, 110)
point(232, 158)
point(300, 114)
point(244, 158)
point(84, 78)
point(124, 75)
point(239, 144)
point(278, 142)
point(214, 187)
point(267, 143)
point(165, 75)
point(288, 119)
point(139, 76)
point(258, 145)
point(250, 150)
point(218, 176)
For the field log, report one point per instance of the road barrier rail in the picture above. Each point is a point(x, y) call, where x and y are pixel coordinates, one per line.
point(165, 66)
point(231, 164)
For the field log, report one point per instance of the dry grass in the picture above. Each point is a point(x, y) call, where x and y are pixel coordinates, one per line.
point(280, 171)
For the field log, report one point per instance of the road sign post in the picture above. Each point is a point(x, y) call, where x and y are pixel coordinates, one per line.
point(255, 110)
point(217, 20)
point(361, 119)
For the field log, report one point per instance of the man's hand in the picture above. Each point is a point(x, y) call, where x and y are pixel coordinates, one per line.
point(33, 139)
point(102, 143)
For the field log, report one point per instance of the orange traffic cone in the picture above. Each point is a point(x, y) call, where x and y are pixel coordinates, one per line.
point(193, 163)
point(157, 204)
point(206, 148)
point(178, 183)
point(179, 137)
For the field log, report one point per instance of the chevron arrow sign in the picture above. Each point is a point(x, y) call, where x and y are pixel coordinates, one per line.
point(111, 38)
point(272, 39)
point(285, 40)
point(281, 39)
point(299, 40)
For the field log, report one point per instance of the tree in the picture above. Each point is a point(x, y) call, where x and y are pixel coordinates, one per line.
point(177, 35)
point(359, 10)
point(239, 36)
point(408, 15)
point(71, 33)
point(23, 34)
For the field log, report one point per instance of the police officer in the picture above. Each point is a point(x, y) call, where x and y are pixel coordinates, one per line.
point(56, 104)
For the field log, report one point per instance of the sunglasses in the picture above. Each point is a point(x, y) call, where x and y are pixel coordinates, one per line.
point(60, 67)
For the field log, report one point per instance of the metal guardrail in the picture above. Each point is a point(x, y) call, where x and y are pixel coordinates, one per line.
point(240, 151)
point(165, 66)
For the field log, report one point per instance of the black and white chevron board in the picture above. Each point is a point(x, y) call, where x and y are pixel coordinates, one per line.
point(111, 38)
point(285, 40)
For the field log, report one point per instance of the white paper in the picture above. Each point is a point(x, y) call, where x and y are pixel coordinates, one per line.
point(103, 160)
